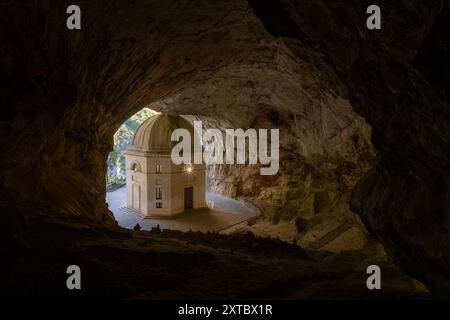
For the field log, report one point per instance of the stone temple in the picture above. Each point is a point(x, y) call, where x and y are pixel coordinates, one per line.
point(155, 185)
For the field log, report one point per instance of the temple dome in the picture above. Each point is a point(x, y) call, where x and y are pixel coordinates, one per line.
point(154, 134)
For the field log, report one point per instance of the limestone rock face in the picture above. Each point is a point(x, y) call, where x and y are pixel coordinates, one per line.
point(325, 145)
point(399, 82)
point(301, 66)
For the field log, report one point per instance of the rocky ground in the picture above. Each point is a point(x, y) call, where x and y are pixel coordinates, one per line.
point(120, 263)
point(333, 234)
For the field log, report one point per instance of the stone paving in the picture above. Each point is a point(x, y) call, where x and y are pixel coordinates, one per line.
point(226, 212)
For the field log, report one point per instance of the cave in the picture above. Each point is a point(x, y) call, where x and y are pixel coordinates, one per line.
point(363, 175)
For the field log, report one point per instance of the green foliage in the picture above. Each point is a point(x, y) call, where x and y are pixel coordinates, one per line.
point(123, 136)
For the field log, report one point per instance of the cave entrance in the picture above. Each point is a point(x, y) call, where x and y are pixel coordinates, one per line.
point(145, 187)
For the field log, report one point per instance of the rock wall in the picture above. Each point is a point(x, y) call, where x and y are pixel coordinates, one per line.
point(399, 82)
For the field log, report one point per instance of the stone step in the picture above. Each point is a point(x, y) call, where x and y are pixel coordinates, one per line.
point(125, 209)
point(330, 236)
point(134, 217)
